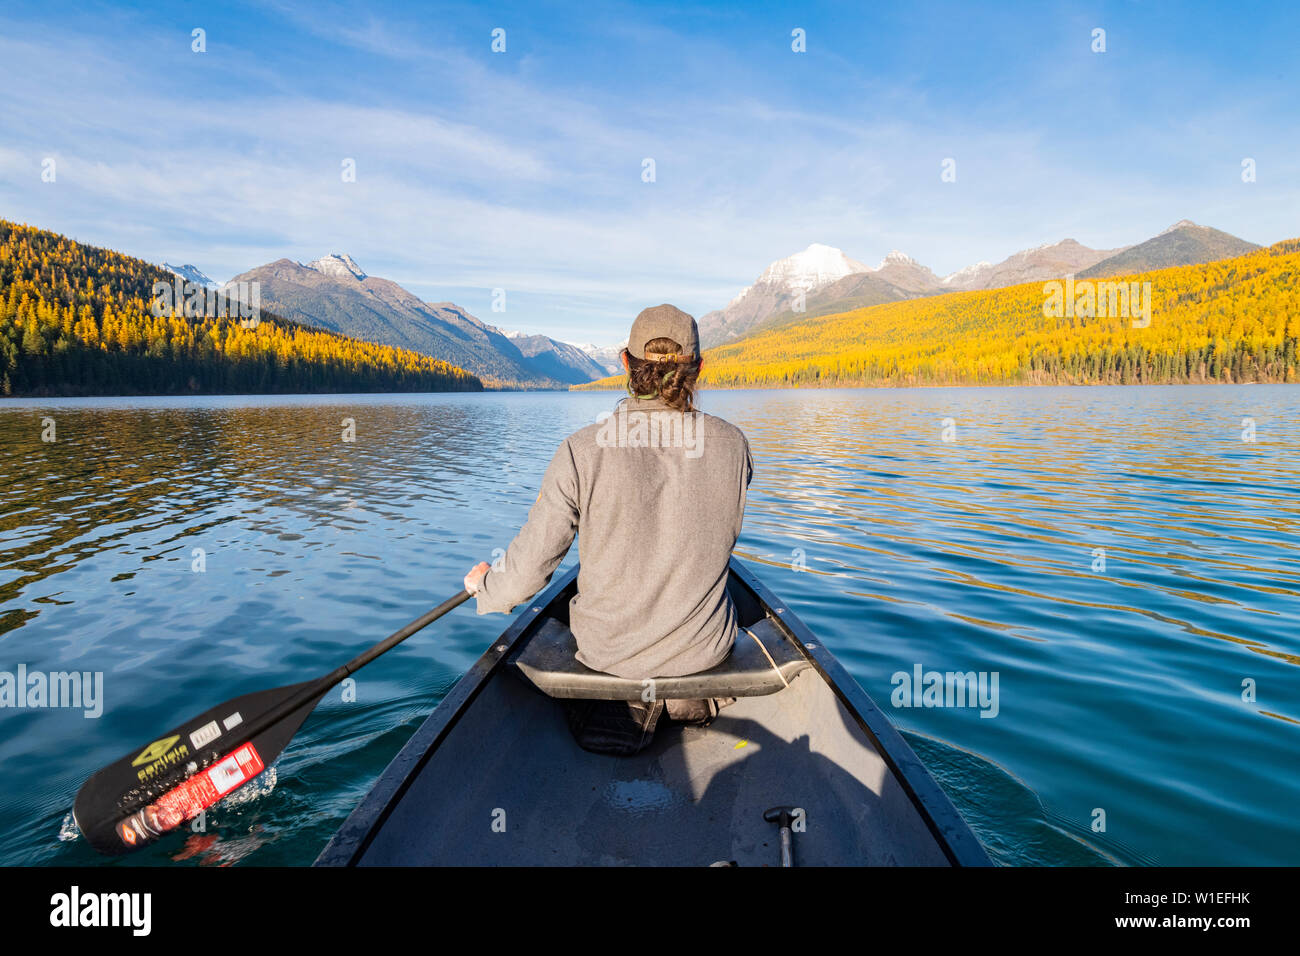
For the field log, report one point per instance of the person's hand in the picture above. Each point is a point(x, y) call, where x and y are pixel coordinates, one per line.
point(474, 580)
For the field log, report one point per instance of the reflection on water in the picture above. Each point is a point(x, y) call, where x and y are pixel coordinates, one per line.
point(1119, 556)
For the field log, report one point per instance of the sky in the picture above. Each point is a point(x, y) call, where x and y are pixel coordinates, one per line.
point(524, 170)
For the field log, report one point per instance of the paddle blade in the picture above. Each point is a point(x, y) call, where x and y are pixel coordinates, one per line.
point(155, 789)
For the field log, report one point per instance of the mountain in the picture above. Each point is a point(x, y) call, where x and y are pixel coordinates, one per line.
point(190, 274)
point(334, 293)
point(55, 340)
point(1224, 321)
point(1231, 320)
point(967, 276)
point(606, 356)
point(905, 273)
point(831, 282)
point(844, 295)
point(1182, 244)
point(777, 290)
point(818, 281)
point(337, 265)
point(1052, 261)
point(558, 360)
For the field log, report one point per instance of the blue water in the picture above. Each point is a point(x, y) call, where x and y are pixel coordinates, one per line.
point(1120, 689)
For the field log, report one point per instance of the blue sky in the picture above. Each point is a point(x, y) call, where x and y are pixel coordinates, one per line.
point(522, 170)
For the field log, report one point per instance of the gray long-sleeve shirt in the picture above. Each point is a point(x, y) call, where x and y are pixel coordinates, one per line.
point(656, 499)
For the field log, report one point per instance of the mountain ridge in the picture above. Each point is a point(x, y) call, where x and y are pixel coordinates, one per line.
point(335, 293)
point(1183, 243)
point(822, 280)
point(56, 341)
point(190, 273)
point(818, 280)
point(783, 289)
point(1227, 320)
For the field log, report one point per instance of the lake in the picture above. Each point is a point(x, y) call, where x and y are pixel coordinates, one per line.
point(1120, 558)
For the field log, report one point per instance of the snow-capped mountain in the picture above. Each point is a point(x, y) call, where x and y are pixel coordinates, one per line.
point(561, 361)
point(806, 281)
point(830, 281)
point(965, 277)
point(565, 360)
point(783, 285)
point(816, 266)
point(190, 273)
point(822, 280)
point(337, 265)
point(606, 356)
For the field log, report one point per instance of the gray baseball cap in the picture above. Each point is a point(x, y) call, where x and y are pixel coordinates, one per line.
point(667, 322)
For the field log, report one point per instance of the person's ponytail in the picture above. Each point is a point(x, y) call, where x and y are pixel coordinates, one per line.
point(671, 381)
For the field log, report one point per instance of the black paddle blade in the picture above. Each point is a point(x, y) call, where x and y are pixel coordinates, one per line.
point(150, 791)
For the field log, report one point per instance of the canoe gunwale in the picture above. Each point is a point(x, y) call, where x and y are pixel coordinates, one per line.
point(954, 837)
point(946, 824)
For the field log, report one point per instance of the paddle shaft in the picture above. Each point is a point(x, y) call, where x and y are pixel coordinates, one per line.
point(312, 693)
point(392, 640)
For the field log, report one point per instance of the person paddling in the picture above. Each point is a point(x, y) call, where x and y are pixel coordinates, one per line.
point(655, 492)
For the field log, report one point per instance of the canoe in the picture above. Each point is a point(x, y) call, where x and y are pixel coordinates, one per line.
point(494, 776)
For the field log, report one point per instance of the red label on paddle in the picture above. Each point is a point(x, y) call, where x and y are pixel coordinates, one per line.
point(193, 796)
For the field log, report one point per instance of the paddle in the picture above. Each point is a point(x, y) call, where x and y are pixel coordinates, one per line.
point(153, 790)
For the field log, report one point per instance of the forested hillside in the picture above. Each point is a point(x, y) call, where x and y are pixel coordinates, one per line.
point(76, 320)
point(1234, 320)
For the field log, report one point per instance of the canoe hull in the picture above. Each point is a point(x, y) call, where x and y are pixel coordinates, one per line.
point(493, 777)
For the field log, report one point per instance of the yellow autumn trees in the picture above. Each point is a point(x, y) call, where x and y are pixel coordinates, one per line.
point(76, 320)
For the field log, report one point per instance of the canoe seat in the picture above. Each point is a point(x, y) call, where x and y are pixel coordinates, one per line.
point(548, 661)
